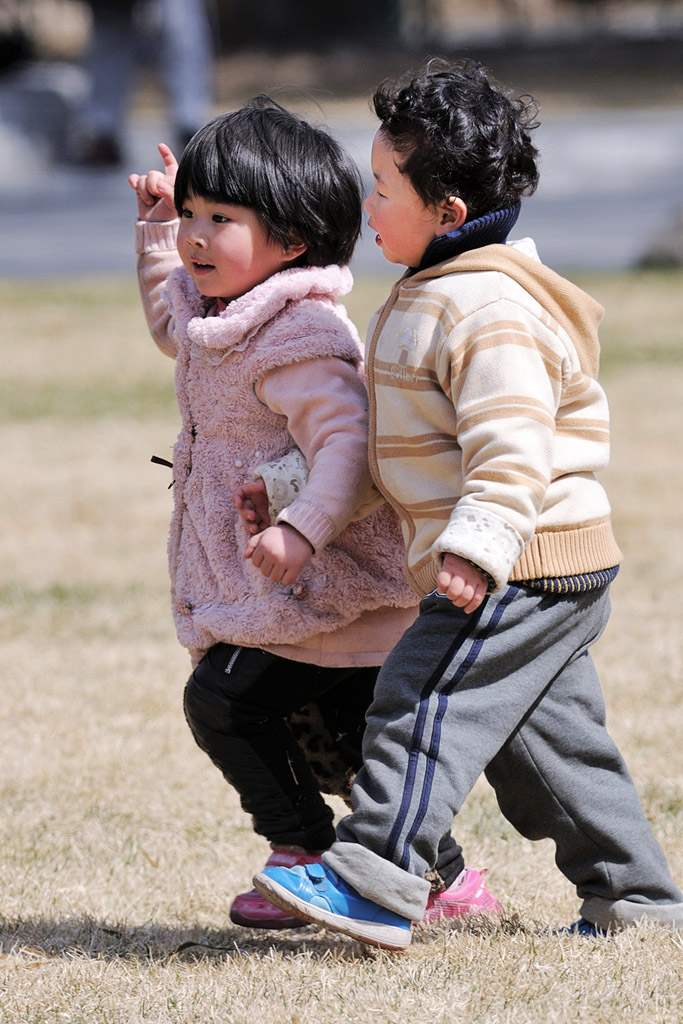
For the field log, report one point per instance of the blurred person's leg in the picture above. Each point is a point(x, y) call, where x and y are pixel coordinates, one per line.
point(110, 64)
point(187, 56)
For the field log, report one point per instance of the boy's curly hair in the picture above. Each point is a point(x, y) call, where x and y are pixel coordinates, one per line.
point(459, 134)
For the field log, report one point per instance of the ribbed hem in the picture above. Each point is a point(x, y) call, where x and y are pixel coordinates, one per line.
point(155, 235)
point(557, 553)
point(568, 553)
point(579, 583)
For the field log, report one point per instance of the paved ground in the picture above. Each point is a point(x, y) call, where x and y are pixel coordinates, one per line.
point(610, 182)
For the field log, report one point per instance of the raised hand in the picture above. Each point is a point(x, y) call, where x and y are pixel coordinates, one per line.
point(154, 190)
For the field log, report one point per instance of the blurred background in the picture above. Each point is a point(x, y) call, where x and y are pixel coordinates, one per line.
point(89, 87)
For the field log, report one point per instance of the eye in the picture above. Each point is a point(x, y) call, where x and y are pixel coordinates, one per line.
point(187, 214)
point(220, 218)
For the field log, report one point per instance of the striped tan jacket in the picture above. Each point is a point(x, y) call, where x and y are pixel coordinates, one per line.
point(488, 424)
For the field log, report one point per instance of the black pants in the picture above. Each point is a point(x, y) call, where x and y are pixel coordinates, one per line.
point(236, 703)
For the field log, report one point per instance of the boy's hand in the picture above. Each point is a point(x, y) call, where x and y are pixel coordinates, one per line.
point(280, 552)
point(462, 583)
point(155, 189)
point(251, 501)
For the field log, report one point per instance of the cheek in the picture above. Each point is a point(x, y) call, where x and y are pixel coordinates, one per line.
point(182, 235)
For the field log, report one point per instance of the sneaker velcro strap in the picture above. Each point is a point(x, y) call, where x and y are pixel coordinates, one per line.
point(316, 873)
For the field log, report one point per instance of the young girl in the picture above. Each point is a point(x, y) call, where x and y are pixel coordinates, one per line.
point(263, 213)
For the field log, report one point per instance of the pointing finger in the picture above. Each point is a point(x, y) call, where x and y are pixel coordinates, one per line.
point(167, 155)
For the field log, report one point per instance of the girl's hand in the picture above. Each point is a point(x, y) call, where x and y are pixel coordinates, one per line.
point(251, 501)
point(280, 552)
point(155, 189)
point(462, 583)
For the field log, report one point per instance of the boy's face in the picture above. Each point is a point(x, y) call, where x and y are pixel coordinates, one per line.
point(404, 224)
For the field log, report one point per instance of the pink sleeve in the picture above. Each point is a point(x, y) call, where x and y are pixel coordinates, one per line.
point(155, 244)
point(326, 406)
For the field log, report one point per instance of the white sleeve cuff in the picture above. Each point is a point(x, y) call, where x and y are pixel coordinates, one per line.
point(284, 479)
point(483, 538)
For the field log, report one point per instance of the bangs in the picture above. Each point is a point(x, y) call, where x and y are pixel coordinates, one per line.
point(299, 182)
point(211, 169)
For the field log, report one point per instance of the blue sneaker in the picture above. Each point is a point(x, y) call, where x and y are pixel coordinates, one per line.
point(316, 893)
point(585, 928)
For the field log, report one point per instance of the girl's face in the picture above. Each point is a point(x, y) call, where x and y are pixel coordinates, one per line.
point(225, 248)
point(404, 224)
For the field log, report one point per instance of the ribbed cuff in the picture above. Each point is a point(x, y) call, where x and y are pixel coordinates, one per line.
point(155, 235)
point(315, 525)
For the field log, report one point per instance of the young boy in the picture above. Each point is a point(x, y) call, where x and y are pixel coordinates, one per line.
point(487, 427)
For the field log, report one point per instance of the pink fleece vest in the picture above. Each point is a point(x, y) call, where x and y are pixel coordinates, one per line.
point(226, 431)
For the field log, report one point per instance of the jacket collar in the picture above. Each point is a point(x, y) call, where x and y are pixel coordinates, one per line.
point(491, 229)
point(231, 328)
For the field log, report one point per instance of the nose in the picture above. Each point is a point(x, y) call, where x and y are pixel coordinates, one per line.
point(195, 234)
point(367, 205)
point(197, 240)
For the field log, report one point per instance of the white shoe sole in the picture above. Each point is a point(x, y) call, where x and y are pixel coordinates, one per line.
point(385, 936)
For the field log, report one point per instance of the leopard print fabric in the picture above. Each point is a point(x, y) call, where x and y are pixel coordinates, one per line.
point(332, 761)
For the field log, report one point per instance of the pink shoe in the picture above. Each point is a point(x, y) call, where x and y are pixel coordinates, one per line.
point(252, 910)
point(467, 895)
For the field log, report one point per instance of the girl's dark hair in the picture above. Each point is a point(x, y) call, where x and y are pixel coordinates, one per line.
point(294, 176)
point(458, 134)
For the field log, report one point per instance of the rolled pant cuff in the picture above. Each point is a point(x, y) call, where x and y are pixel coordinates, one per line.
point(379, 880)
point(617, 914)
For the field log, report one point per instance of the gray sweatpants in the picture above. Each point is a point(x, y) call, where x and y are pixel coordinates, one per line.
point(510, 691)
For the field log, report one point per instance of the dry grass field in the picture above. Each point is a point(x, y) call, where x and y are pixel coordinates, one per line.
point(120, 845)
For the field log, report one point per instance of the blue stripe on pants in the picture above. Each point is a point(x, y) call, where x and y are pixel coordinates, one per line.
point(442, 702)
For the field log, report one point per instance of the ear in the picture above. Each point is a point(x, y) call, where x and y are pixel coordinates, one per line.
point(453, 213)
point(293, 251)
